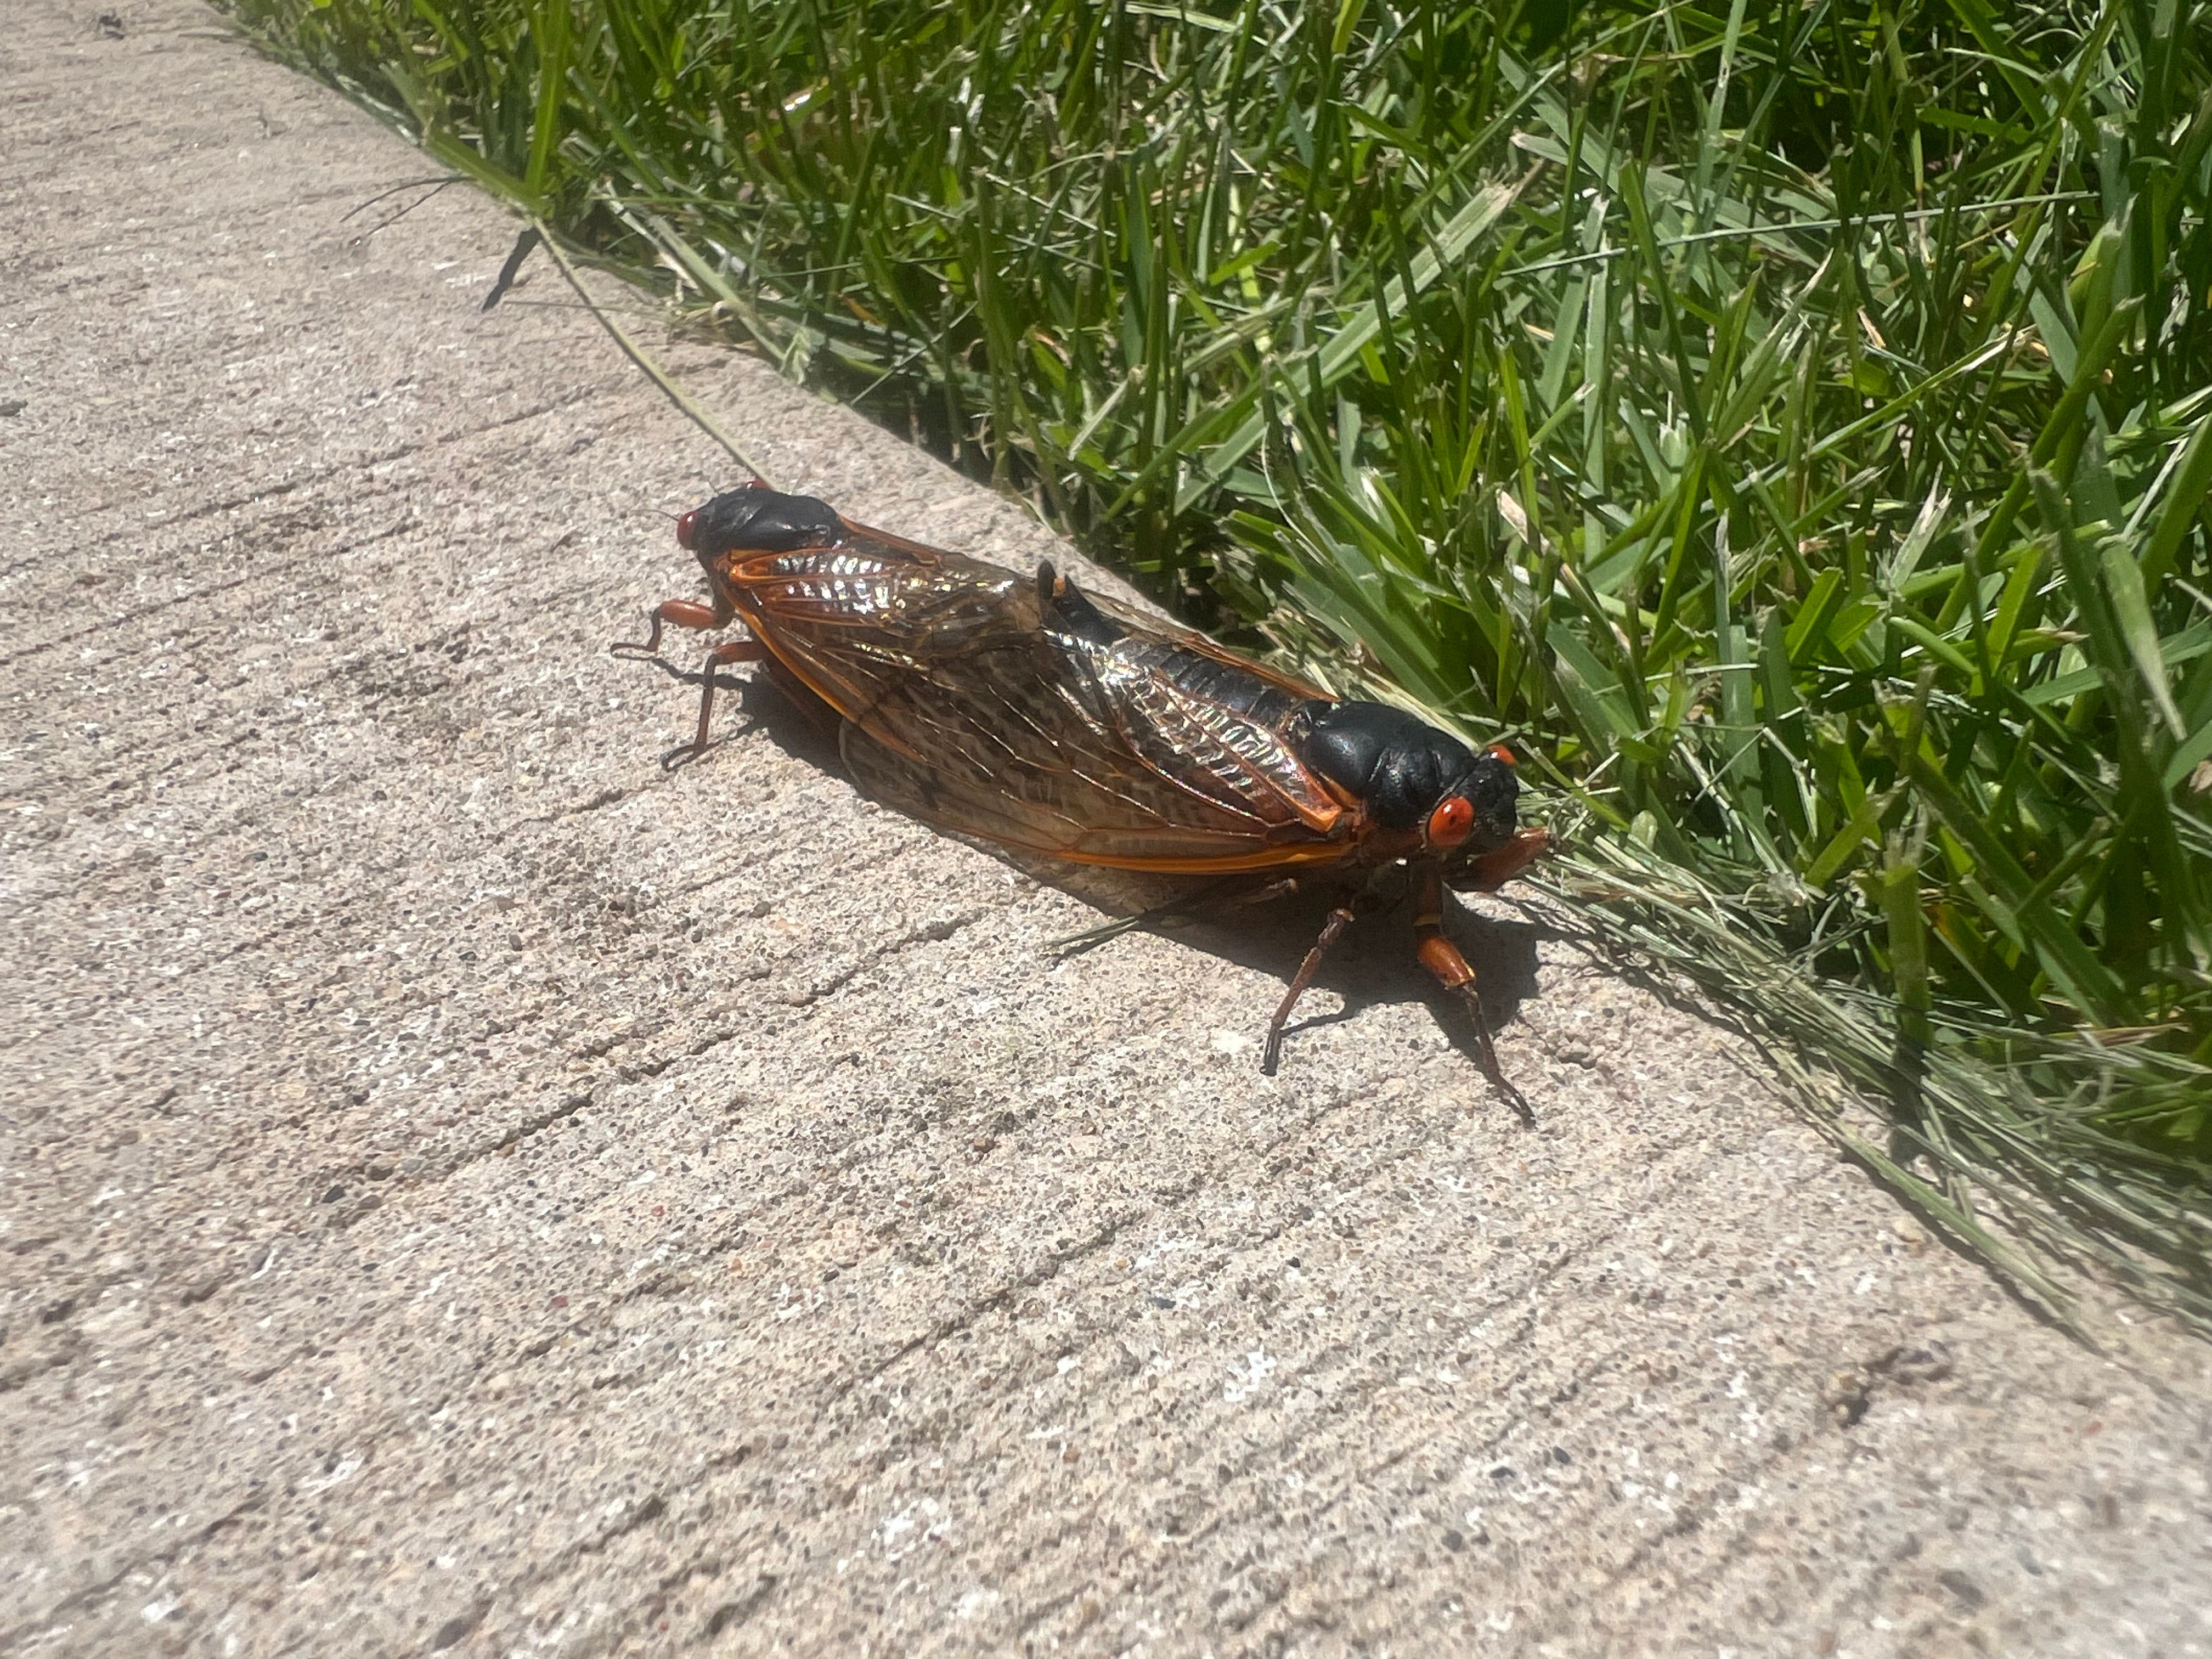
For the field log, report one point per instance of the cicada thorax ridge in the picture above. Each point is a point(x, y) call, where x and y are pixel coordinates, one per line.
point(758, 520)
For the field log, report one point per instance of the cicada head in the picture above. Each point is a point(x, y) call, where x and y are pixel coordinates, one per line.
point(757, 519)
point(1411, 776)
point(1490, 791)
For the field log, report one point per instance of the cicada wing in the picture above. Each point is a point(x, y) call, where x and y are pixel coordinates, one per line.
point(977, 703)
point(855, 619)
point(1217, 738)
point(953, 797)
point(1136, 622)
point(1043, 819)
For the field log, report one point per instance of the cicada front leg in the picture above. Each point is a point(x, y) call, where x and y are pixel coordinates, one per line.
point(1450, 969)
point(1491, 871)
point(684, 613)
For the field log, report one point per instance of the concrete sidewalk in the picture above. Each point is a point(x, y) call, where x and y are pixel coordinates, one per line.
point(463, 1189)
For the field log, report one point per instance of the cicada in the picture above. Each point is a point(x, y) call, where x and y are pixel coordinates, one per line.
point(1025, 711)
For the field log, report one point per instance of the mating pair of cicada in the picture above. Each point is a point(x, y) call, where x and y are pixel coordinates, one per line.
point(1021, 710)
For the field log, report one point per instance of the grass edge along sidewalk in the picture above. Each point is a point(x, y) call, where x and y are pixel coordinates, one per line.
point(1789, 425)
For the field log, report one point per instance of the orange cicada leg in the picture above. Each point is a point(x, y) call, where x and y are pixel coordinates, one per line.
point(730, 651)
point(684, 613)
point(1443, 961)
point(1332, 930)
point(1493, 870)
point(689, 613)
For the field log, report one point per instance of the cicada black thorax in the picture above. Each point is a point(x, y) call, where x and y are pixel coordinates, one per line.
point(759, 520)
point(1411, 776)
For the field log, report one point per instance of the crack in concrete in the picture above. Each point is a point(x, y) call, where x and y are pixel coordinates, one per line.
point(92, 1595)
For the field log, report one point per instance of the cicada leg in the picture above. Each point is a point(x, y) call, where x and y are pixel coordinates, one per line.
point(689, 613)
point(1332, 930)
point(1443, 960)
point(684, 613)
point(730, 651)
point(1493, 870)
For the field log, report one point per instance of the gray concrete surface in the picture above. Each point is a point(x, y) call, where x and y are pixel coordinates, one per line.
point(467, 1191)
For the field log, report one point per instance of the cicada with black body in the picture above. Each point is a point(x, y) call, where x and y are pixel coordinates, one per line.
point(1019, 709)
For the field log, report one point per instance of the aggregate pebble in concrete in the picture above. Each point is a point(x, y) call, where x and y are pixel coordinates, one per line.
point(468, 1190)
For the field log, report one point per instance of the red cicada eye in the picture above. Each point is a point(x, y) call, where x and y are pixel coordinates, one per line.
point(684, 529)
point(1452, 822)
point(1499, 751)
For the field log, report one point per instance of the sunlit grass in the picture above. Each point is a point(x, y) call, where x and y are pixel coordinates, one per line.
point(1790, 422)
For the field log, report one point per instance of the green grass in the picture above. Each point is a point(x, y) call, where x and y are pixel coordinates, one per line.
point(1791, 422)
